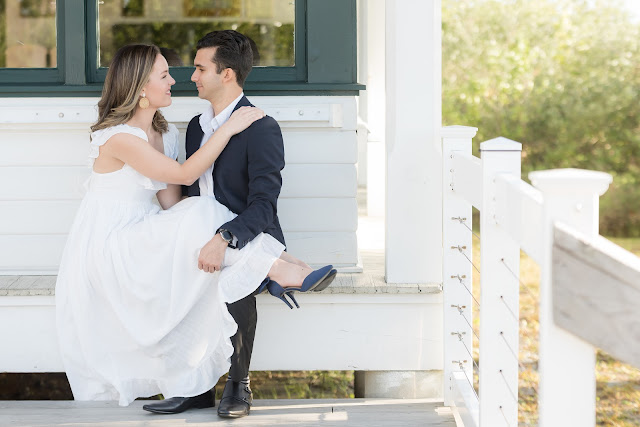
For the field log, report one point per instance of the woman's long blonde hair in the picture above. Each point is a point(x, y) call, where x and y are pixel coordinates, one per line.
point(128, 72)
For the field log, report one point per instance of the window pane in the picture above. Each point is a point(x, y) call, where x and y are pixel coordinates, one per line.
point(28, 34)
point(179, 24)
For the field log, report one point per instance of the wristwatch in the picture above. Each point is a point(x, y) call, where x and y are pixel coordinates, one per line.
point(227, 237)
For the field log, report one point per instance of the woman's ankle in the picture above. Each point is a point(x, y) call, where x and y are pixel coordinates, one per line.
point(288, 274)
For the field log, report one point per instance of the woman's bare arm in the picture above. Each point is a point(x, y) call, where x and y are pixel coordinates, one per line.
point(141, 156)
point(169, 196)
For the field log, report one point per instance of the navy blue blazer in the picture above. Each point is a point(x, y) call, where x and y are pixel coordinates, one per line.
point(246, 176)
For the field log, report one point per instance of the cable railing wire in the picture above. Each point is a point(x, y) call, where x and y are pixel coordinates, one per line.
point(471, 384)
point(524, 287)
point(517, 276)
point(513, 353)
point(466, 287)
point(505, 417)
point(465, 319)
point(506, 383)
point(515, 317)
point(461, 250)
point(462, 221)
point(471, 356)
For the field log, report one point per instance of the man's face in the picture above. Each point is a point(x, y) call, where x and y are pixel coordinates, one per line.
point(206, 76)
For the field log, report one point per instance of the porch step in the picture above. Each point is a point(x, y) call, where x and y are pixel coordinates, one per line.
point(359, 323)
point(302, 412)
point(370, 281)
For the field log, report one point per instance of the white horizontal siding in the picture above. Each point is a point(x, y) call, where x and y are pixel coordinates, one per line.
point(44, 165)
point(33, 217)
point(67, 182)
point(320, 146)
point(40, 254)
point(44, 146)
point(36, 254)
point(318, 214)
point(37, 217)
point(319, 180)
point(43, 182)
point(339, 249)
point(47, 145)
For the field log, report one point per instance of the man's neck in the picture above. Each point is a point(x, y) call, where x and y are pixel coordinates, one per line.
point(224, 100)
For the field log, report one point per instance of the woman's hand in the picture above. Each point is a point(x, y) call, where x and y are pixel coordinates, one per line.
point(241, 119)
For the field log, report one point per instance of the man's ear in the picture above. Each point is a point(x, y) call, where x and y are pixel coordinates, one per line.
point(229, 75)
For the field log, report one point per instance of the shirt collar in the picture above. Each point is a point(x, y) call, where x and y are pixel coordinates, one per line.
point(209, 123)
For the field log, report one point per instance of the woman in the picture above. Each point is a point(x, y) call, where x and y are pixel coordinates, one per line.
point(135, 315)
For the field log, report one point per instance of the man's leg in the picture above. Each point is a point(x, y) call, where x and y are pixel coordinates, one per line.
point(245, 314)
point(236, 398)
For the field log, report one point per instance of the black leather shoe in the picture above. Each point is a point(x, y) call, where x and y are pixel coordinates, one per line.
point(175, 405)
point(236, 399)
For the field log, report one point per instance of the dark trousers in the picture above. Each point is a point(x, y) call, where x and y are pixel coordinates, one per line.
point(245, 314)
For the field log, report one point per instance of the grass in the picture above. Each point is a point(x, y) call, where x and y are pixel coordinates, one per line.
point(299, 384)
point(617, 384)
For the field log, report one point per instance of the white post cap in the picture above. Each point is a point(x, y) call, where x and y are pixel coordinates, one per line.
point(570, 181)
point(500, 144)
point(458, 132)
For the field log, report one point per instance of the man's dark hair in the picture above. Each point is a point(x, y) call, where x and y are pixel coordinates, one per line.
point(233, 50)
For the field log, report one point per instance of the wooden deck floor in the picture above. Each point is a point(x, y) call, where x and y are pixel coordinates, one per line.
point(321, 412)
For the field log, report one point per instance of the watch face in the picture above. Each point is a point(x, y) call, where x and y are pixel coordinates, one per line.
point(226, 235)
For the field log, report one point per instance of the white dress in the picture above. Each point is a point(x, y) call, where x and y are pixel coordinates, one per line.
point(135, 315)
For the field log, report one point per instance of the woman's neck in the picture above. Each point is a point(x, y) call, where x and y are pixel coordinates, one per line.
point(143, 119)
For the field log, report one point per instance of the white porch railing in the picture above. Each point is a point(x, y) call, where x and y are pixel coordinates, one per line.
point(513, 216)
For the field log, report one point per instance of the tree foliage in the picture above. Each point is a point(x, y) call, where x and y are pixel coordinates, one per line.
point(560, 76)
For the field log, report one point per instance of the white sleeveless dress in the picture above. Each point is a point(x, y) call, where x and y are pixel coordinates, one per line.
point(135, 315)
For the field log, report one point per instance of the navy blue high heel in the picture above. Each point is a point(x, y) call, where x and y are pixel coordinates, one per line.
point(314, 279)
point(326, 281)
point(279, 292)
point(263, 286)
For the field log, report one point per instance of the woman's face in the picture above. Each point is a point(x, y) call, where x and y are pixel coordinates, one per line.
point(158, 89)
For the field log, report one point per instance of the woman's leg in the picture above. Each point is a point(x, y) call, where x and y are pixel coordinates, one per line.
point(288, 274)
point(293, 260)
point(287, 270)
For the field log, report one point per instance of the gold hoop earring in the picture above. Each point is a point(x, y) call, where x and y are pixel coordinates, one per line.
point(144, 102)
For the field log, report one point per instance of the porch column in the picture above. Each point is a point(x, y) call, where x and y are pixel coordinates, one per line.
point(413, 209)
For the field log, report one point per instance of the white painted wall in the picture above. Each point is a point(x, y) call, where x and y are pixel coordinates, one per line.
point(44, 146)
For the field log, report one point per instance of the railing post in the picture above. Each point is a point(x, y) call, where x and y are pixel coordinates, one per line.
point(567, 389)
point(456, 270)
point(500, 290)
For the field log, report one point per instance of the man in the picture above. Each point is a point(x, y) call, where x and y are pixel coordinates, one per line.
point(246, 178)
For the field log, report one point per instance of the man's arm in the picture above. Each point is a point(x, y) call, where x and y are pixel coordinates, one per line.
point(265, 152)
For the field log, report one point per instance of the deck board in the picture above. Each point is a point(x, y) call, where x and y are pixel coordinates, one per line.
point(311, 412)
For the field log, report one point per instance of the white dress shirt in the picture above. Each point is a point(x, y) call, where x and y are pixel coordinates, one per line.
point(209, 124)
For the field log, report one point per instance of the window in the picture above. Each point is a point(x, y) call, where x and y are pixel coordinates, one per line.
point(177, 27)
point(28, 40)
point(300, 45)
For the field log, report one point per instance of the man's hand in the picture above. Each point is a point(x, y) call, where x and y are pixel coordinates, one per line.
point(212, 254)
